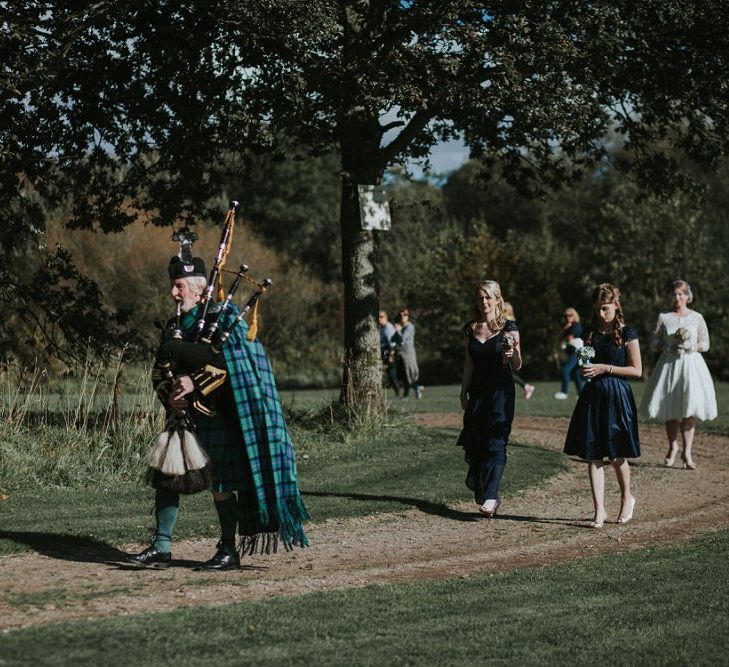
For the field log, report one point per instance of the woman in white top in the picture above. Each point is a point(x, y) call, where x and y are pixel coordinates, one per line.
point(680, 389)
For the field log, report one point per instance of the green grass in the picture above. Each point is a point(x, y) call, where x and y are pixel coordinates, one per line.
point(397, 467)
point(444, 398)
point(656, 606)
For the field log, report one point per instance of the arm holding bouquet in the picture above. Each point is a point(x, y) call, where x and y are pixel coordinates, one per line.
point(632, 369)
point(511, 350)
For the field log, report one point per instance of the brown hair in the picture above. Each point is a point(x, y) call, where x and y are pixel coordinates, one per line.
point(400, 313)
point(607, 293)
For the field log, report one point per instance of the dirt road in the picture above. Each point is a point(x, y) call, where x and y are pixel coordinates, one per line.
point(540, 526)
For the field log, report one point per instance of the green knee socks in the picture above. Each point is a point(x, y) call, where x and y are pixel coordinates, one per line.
point(228, 516)
point(166, 509)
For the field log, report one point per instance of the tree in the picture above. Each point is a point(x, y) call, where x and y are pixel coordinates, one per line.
point(131, 102)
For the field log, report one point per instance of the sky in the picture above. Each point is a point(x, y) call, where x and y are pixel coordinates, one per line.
point(444, 158)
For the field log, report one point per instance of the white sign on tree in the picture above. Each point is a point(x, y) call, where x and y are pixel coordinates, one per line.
point(374, 209)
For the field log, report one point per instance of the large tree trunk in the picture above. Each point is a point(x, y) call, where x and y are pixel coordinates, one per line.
point(362, 373)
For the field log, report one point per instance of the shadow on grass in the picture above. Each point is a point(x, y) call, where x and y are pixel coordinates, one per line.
point(77, 548)
point(80, 548)
point(85, 549)
point(418, 503)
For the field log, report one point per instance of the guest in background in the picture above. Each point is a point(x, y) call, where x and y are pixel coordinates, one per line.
point(407, 359)
point(518, 379)
point(570, 340)
point(389, 339)
point(604, 423)
point(680, 389)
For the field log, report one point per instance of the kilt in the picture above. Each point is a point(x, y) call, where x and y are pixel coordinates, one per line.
point(222, 440)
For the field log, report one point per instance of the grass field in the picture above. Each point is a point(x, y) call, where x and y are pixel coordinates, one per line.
point(653, 606)
point(444, 398)
point(400, 467)
point(666, 606)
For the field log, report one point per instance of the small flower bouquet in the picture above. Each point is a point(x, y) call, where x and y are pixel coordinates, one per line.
point(584, 354)
point(508, 342)
point(681, 338)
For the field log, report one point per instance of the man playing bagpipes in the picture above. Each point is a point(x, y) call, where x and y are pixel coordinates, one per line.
point(225, 425)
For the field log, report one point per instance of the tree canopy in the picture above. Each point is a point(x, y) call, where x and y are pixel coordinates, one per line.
point(121, 110)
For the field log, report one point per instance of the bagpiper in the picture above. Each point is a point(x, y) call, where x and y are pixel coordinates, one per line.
point(226, 427)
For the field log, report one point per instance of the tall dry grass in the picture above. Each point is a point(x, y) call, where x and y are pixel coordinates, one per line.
point(76, 432)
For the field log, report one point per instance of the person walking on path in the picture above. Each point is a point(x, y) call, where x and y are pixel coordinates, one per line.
point(680, 389)
point(570, 340)
point(604, 423)
point(389, 339)
point(407, 358)
point(246, 439)
point(493, 351)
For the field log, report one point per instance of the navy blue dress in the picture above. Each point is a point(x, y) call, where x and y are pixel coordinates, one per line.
point(487, 421)
point(605, 420)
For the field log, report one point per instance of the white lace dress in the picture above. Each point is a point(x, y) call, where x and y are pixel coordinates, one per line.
point(680, 385)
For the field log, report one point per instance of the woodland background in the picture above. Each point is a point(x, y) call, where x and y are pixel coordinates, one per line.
point(448, 233)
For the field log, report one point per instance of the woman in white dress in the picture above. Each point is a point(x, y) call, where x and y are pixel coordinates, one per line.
point(680, 389)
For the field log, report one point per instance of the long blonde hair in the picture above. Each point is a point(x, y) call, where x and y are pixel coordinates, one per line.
point(492, 289)
point(607, 293)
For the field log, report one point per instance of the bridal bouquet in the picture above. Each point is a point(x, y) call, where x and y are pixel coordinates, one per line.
point(681, 337)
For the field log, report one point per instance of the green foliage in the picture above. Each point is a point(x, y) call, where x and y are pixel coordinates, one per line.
point(549, 254)
point(292, 204)
point(535, 91)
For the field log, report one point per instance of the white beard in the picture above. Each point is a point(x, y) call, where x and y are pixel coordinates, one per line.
point(189, 304)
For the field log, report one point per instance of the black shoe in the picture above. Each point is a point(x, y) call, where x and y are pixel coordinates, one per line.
point(225, 558)
point(151, 557)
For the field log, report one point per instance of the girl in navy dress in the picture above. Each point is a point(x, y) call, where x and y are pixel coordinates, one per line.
point(605, 423)
point(487, 395)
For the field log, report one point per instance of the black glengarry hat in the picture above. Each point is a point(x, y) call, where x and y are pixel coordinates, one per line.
point(179, 268)
point(184, 265)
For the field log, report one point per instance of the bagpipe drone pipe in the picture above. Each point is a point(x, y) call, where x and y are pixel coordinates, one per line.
point(177, 461)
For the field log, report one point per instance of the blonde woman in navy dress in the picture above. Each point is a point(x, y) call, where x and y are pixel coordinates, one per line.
point(605, 422)
point(487, 394)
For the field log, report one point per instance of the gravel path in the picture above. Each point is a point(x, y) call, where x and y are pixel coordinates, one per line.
point(540, 526)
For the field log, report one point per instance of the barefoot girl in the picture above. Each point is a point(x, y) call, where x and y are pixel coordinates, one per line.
point(605, 423)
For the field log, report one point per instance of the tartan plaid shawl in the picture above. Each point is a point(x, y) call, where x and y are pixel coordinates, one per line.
point(275, 504)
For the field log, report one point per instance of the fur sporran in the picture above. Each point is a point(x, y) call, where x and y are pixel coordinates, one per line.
point(178, 463)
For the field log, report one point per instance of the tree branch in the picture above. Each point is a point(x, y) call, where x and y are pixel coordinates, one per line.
point(392, 125)
point(402, 140)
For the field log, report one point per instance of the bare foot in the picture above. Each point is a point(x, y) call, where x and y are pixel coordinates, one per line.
point(671, 456)
point(626, 511)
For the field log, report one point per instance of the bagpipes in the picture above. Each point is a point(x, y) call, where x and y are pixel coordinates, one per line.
point(177, 461)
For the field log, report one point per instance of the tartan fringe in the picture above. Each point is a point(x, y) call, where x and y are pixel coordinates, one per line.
point(260, 543)
point(291, 514)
